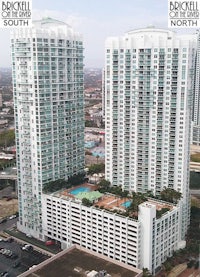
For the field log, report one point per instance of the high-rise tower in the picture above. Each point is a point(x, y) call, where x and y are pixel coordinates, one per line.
point(148, 89)
point(196, 98)
point(47, 63)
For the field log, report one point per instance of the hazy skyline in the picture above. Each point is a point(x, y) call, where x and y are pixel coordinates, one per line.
point(95, 20)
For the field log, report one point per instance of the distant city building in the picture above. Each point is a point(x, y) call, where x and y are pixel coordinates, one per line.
point(47, 68)
point(148, 88)
point(3, 123)
point(1, 100)
point(196, 98)
point(8, 103)
point(145, 242)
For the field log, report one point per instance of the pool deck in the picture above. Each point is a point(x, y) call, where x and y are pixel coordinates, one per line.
point(111, 202)
point(67, 193)
point(108, 201)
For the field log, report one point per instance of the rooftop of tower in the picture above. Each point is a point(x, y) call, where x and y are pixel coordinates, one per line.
point(48, 27)
point(47, 22)
point(150, 29)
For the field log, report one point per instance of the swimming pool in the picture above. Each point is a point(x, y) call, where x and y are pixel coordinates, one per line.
point(126, 204)
point(78, 190)
point(95, 154)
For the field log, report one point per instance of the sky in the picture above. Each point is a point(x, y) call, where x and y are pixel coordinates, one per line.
point(95, 20)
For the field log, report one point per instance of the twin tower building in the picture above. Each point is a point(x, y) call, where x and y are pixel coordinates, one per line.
point(148, 98)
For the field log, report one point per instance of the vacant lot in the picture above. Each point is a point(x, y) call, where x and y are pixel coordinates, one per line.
point(195, 200)
point(8, 202)
point(8, 208)
point(195, 157)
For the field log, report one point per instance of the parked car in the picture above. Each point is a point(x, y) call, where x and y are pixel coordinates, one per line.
point(12, 216)
point(16, 264)
point(10, 240)
point(27, 247)
point(3, 220)
point(9, 198)
point(49, 242)
point(4, 274)
point(8, 253)
point(14, 256)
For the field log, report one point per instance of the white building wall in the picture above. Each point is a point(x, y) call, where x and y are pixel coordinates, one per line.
point(196, 98)
point(167, 237)
point(148, 87)
point(145, 242)
point(160, 237)
point(147, 216)
point(107, 233)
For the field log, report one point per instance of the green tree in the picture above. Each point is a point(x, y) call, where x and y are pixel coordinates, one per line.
point(146, 273)
point(97, 157)
point(55, 185)
point(124, 193)
point(137, 199)
point(87, 152)
point(149, 193)
point(104, 186)
point(7, 163)
point(116, 190)
point(90, 123)
point(7, 138)
point(77, 179)
point(159, 213)
point(96, 168)
point(170, 195)
point(167, 265)
point(86, 202)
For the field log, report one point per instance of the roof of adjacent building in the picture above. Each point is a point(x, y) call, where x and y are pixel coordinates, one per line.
point(48, 21)
point(78, 261)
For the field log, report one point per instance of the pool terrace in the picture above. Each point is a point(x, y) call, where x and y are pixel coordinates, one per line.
point(113, 202)
point(106, 201)
point(73, 192)
point(90, 191)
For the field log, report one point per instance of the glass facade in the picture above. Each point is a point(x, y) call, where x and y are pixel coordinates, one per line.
point(49, 114)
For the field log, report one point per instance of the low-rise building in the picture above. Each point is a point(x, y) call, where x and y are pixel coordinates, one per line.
point(105, 228)
point(79, 261)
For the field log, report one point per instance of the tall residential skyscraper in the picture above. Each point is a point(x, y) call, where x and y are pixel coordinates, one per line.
point(148, 91)
point(196, 98)
point(47, 63)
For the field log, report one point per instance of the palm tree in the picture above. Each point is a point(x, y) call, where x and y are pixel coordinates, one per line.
point(170, 195)
point(146, 273)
